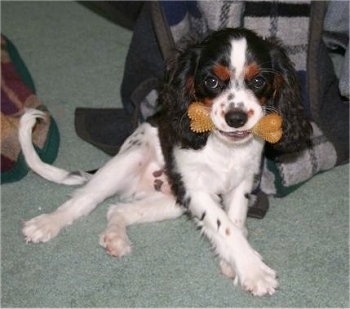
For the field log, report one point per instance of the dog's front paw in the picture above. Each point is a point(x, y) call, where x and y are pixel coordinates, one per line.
point(116, 244)
point(40, 229)
point(256, 277)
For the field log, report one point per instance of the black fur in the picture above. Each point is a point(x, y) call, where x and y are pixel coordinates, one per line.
point(287, 100)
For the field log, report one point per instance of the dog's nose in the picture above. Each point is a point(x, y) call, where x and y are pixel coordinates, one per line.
point(236, 118)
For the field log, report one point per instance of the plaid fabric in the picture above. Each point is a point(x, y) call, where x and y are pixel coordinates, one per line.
point(17, 93)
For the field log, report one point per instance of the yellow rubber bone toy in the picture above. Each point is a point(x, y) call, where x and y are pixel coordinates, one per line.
point(200, 118)
point(269, 127)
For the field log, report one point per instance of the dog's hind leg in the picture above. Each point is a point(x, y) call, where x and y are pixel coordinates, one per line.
point(119, 175)
point(155, 207)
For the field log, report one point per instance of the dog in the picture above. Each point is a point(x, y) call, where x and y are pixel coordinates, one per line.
point(165, 169)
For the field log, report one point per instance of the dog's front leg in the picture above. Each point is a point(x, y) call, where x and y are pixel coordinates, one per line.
point(236, 202)
point(236, 206)
point(231, 245)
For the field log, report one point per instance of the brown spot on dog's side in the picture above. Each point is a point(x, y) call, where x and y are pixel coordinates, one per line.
point(222, 72)
point(251, 70)
point(227, 232)
point(157, 173)
point(158, 184)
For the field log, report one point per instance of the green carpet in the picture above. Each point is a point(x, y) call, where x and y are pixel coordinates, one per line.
point(76, 59)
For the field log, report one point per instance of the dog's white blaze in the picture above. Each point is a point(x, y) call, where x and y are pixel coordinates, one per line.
point(238, 56)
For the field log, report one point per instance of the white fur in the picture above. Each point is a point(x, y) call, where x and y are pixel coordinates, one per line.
point(238, 58)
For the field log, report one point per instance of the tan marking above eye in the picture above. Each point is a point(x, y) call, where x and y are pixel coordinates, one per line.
point(251, 70)
point(222, 72)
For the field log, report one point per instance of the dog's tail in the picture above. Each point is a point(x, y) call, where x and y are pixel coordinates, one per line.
point(45, 170)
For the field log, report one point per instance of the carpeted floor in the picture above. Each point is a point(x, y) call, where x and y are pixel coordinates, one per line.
point(76, 59)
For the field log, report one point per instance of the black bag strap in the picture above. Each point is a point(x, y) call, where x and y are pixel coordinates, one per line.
point(162, 30)
point(317, 14)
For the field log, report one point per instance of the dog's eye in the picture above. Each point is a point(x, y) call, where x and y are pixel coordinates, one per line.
point(211, 82)
point(257, 82)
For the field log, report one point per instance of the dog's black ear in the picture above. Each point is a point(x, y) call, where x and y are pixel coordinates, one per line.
point(180, 73)
point(287, 100)
point(177, 93)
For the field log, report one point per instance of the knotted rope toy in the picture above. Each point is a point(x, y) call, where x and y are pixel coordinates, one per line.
point(268, 128)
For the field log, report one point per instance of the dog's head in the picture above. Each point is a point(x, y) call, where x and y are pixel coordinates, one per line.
point(239, 77)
